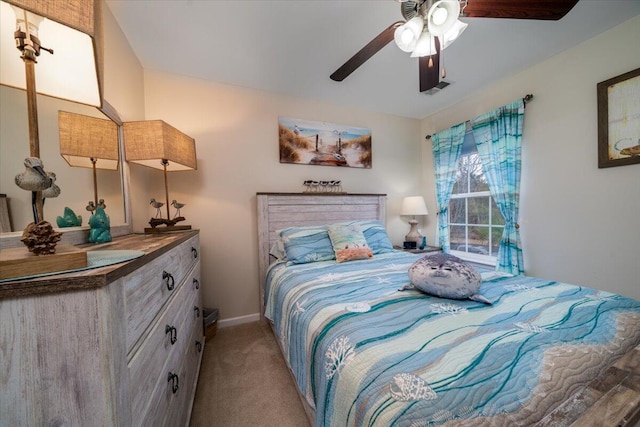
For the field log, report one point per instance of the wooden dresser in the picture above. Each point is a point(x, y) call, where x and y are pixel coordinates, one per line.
point(115, 346)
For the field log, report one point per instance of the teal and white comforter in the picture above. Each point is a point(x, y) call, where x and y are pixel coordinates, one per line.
point(364, 353)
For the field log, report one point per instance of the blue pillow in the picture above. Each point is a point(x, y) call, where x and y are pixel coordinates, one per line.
point(307, 244)
point(312, 243)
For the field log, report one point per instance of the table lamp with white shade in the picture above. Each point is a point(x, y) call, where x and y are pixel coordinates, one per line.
point(413, 206)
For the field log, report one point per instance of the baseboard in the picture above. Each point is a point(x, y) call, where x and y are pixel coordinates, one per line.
point(225, 323)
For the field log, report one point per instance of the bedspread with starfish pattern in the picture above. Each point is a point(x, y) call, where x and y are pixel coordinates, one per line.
point(365, 354)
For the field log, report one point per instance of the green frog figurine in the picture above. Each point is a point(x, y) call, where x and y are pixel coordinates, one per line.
point(100, 227)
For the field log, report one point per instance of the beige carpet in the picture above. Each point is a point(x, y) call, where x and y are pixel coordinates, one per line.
point(244, 381)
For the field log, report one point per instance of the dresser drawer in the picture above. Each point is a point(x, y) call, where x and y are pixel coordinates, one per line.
point(149, 288)
point(148, 365)
point(181, 403)
point(189, 252)
point(163, 402)
point(160, 402)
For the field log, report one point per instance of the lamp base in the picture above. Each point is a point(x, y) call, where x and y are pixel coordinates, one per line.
point(414, 235)
point(167, 229)
point(170, 225)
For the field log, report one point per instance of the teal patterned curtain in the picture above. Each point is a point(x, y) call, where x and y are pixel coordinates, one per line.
point(447, 146)
point(498, 136)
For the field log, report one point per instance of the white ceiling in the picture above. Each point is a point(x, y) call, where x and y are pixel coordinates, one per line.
point(291, 47)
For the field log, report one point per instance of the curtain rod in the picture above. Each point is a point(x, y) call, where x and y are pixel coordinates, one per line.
point(528, 97)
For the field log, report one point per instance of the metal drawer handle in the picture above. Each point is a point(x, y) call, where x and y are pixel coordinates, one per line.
point(194, 251)
point(173, 333)
point(199, 346)
point(197, 283)
point(168, 278)
point(197, 310)
point(175, 382)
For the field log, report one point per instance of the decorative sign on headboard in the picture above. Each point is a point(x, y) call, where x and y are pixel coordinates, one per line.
point(313, 186)
point(325, 144)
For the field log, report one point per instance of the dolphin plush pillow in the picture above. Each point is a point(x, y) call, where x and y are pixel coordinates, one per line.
point(446, 276)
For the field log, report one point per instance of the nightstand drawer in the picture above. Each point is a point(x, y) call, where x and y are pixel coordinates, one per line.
point(149, 288)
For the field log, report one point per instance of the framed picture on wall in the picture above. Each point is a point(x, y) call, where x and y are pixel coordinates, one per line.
point(324, 144)
point(619, 120)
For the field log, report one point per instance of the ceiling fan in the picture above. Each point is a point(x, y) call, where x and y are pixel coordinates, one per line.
point(432, 25)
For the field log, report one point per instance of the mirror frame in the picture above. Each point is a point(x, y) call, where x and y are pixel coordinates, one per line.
point(80, 235)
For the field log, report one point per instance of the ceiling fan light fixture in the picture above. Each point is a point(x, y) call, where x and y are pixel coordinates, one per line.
point(426, 45)
point(439, 15)
point(453, 33)
point(442, 15)
point(443, 25)
point(406, 36)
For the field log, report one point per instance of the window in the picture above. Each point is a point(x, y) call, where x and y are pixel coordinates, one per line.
point(475, 222)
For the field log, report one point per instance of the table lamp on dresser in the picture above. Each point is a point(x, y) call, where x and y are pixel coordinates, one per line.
point(413, 206)
point(156, 144)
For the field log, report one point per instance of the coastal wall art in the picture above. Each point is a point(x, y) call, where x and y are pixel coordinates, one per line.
point(325, 144)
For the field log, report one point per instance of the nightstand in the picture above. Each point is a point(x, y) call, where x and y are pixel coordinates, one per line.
point(427, 249)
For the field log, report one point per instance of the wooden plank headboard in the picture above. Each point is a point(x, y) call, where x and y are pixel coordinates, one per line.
point(281, 210)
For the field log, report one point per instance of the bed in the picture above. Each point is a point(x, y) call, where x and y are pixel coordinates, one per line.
point(362, 352)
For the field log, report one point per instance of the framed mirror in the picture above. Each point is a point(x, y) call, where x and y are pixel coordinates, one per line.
point(76, 183)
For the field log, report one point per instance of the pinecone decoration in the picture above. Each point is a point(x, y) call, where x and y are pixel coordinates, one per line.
point(41, 238)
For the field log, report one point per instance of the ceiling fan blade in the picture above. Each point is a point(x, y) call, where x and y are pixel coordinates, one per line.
point(549, 10)
point(430, 76)
point(380, 41)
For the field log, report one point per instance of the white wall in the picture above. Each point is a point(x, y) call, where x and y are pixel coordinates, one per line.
point(236, 133)
point(579, 223)
point(123, 76)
